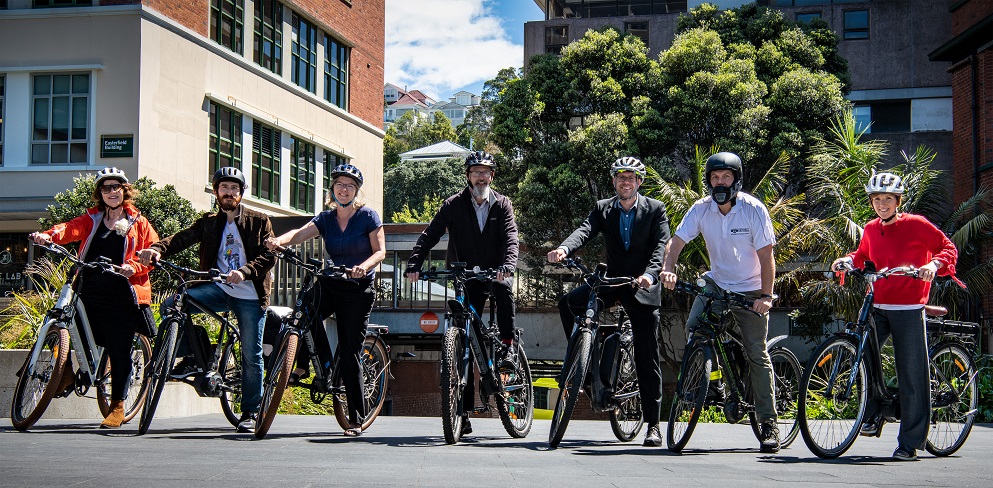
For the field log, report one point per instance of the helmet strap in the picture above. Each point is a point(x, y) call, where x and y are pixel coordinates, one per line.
point(342, 205)
point(888, 219)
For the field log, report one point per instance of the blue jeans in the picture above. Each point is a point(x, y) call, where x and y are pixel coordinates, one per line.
point(250, 316)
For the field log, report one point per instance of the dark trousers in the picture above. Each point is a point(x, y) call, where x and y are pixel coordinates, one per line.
point(503, 296)
point(644, 324)
point(113, 317)
point(912, 372)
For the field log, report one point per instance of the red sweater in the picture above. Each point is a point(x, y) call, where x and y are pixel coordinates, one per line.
point(909, 241)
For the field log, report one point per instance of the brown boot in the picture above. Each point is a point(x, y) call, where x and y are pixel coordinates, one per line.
point(116, 416)
point(68, 379)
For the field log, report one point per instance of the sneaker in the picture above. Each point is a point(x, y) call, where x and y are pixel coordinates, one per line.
point(905, 454)
point(508, 356)
point(769, 440)
point(186, 367)
point(870, 428)
point(247, 422)
point(715, 392)
point(653, 438)
point(466, 426)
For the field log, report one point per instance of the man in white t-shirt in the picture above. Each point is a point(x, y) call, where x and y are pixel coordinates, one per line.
point(738, 233)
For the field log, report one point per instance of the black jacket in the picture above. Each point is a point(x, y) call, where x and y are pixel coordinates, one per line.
point(253, 227)
point(649, 236)
point(495, 246)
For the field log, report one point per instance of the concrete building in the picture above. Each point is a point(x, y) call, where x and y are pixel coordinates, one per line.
point(172, 90)
point(895, 86)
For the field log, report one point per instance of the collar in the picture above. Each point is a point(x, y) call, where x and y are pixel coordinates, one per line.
point(637, 203)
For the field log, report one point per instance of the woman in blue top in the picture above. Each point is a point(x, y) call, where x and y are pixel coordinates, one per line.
point(353, 237)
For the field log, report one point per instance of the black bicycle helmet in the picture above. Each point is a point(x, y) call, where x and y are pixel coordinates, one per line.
point(724, 160)
point(110, 173)
point(229, 173)
point(347, 170)
point(480, 158)
point(628, 164)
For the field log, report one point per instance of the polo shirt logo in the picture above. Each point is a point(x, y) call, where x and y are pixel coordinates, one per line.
point(740, 231)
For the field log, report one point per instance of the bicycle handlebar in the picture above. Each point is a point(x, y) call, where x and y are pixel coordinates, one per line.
point(598, 277)
point(459, 271)
point(212, 274)
point(868, 271)
point(316, 266)
point(102, 263)
point(726, 296)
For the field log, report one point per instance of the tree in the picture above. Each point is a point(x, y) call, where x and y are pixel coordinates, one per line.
point(415, 184)
point(410, 132)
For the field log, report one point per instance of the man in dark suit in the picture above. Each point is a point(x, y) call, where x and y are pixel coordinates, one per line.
point(635, 230)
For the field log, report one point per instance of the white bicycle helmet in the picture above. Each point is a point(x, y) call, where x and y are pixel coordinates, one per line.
point(884, 183)
point(110, 173)
point(628, 163)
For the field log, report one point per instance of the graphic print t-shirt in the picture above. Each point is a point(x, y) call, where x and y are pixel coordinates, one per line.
point(230, 257)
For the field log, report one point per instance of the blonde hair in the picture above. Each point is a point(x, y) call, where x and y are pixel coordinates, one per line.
point(329, 202)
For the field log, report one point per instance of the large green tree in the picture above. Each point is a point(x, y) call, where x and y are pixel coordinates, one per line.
point(411, 132)
point(415, 186)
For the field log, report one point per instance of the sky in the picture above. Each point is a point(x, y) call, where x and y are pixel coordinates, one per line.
point(443, 46)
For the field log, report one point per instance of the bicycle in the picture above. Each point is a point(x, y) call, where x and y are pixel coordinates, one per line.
point(600, 361)
point(297, 324)
point(714, 339)
point(66, 326)
point(466, 338)
point(836, 384)
point(219, 371)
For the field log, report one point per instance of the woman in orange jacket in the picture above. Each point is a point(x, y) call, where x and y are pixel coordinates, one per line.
point(114, 229)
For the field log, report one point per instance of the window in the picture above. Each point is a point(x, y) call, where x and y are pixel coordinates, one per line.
point(637, 29)
point(225, 138)
point(60, 112)
point(556, 38)
point(269, 35)
point(331, 160)
point(856, 24)
point(335, 72)
point(863, 118)
point(227, 23)
point(61, 3)
point(1, 111)
point(302, 174)
point(304, 54)
point(807, 18)
point(266, 148)
point(891, 116)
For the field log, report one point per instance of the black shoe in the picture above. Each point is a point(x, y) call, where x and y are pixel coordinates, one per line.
point(247, 422)
point(769, 440)
point(871, 427)
point(653, 438)
point(186, 367)
point(466, 426)
point(905, 454)
point(508, 356)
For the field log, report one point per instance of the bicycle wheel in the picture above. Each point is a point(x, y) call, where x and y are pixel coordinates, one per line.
point(691, 392)
point(830, 417)
point(452, 353)
point(230, 370)
point(37, 383)
point(573, 375)
point(141, 357)
point(786, 388)
point(375, 379)
point(953, 398)
point(626, 419)
point(515, 403)
point(274, 383)
point(158, 374)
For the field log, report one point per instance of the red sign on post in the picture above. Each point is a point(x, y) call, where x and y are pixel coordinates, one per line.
point(429, 322)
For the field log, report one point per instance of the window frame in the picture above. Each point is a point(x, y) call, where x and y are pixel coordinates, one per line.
point(850, 34)
point(630, 31)
point(298, 52)
point(275, 63)
point(309, 171)
point(551, 35)
point(336, 77)
point(214, 139)
point(71, 108)
point(272, 157)
point(232, 13)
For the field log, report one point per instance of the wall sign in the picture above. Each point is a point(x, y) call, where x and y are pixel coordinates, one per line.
point(117, 146)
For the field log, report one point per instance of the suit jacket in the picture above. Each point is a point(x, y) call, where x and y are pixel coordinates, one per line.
point(495, 246)
point(253, 227)
point(649, 236)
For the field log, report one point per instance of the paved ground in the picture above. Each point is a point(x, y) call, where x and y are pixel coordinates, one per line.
point(410, 451)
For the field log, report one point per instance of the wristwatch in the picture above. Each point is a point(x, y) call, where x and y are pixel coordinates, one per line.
point(774, 296)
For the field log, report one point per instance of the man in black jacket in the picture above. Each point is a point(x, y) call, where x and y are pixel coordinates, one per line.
point(232, 241)
point(481, 232)
point(635, 229)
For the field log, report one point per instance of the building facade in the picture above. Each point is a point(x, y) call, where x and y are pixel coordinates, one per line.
point(173, 90)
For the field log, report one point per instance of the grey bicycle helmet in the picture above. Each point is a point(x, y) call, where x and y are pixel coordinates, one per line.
point(349, 171)
point(229, 173)
point(479, 158)
point(110, 173)
point(628, 164)
point(884, 183)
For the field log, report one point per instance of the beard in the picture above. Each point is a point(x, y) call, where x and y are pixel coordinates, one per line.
point(229, 202)
point(481, 192)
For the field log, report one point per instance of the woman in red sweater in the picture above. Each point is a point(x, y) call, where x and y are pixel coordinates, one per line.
point(902, 239)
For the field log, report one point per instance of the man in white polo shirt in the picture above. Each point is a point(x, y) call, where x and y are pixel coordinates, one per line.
point(738, 232)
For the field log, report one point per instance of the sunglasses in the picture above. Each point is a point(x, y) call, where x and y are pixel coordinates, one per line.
point(109, 188)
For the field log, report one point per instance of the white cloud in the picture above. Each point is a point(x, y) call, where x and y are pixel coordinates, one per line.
point(437, 46)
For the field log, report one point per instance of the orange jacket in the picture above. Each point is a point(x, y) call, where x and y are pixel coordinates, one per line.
point(140, 236)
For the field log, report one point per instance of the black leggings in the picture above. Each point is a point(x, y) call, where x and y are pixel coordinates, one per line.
point(113, 317)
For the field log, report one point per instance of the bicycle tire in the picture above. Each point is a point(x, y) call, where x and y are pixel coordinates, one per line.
point(375, 380)
point(164, 354)
point(626, 419)
point(141, 357)
point(954, 398)
point(230, 370)
point(275, 382)
point(574, 375)
point(35, 391)
point(786, 389)
point(690, 395)
point(829, 422)
point(515, 403)
point(452, 353)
